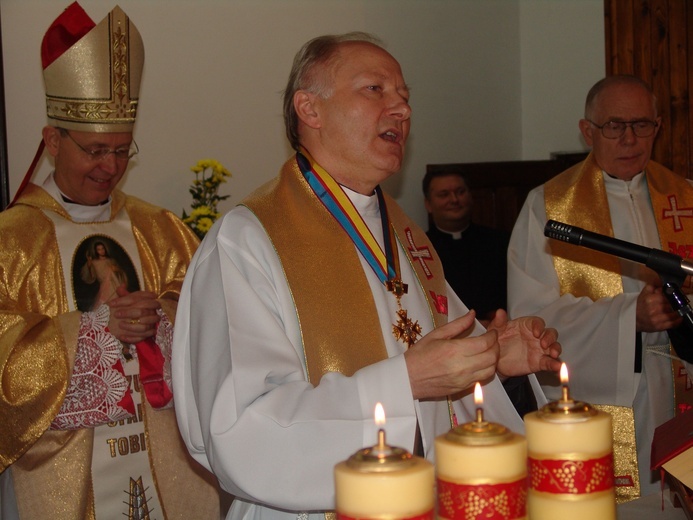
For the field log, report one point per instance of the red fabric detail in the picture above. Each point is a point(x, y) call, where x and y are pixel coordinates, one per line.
point(126, 402)
point(574, 477)
point(152, 373)
point(429, 515)
point(29, 174)
point(506, 501)
point(441, 302)
point(67, 29)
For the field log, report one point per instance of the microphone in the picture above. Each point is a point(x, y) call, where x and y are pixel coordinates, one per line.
point(662, 262)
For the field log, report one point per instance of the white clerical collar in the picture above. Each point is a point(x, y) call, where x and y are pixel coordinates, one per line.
point(637, 179)
point(366, 205)
point(456, 235)
point(78, 212)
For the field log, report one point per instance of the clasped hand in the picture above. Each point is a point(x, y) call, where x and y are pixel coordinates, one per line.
point(446, 361)
point(134, 315)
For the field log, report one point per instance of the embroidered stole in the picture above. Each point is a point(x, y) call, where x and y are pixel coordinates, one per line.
point(339, 323)
point(122, 481)
point(585, 272)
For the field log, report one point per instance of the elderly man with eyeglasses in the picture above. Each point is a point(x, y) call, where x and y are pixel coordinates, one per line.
point(617, 327)
point(89, 285)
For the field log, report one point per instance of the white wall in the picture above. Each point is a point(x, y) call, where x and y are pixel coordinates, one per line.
point(562, 56)
point(483, 75)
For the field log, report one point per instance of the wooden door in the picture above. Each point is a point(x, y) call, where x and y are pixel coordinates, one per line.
point(653, 39)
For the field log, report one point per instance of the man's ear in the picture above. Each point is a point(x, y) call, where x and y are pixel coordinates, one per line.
point(305, 106)
point(51, 137)
point(586, 129)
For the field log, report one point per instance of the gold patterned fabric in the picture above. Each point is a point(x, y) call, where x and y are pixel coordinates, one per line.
point(38, 337)
point(585, 272)
point(327, 282)
point(94, 85)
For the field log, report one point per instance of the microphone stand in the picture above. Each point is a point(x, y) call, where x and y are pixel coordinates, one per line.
point(671, 268)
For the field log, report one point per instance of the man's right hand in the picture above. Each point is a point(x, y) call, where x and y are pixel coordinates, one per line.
point(444, 362)
point(134, 316)
point(653, 312)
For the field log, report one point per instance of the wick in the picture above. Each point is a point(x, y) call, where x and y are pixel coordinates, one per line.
point(381, 440)
point(479, 415)
point(566, 394)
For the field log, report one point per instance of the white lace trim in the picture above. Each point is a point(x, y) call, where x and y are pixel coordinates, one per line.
point(96, 386)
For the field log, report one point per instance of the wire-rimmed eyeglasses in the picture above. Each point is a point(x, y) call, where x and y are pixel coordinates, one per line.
point(99, 154)
point(615, 129)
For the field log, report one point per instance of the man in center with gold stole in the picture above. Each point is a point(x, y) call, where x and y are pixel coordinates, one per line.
point(317, 298)
point(612, 314)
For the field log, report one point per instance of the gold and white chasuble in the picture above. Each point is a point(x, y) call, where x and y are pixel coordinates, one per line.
point(578, 197)
point(133, 465)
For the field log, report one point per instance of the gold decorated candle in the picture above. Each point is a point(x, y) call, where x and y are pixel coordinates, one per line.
point(481, 470)
point(384, 482)
point(571, 475)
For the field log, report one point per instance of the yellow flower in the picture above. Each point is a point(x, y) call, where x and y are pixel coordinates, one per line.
point(209, 174)
point(204, 224)
point(202, 211)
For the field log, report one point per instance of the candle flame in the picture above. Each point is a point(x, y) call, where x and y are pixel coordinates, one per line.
point(564, 374)
point(379, 415)
point(478, 395)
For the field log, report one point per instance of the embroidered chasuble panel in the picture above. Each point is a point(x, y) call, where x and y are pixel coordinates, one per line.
point(101, 260)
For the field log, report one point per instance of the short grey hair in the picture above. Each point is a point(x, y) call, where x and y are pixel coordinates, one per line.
point(609, 81)
point(306, 76)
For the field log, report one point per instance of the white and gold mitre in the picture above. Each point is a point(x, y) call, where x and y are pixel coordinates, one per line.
point(92, 72)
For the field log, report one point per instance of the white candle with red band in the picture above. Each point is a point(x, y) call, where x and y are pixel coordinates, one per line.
point(481, 470)
point(384, 482)
point(570, 463)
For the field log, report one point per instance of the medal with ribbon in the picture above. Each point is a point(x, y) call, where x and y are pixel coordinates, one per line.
point(385, 264)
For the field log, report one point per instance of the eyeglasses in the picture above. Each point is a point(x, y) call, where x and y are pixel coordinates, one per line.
point(615, 129)
point(99, 154)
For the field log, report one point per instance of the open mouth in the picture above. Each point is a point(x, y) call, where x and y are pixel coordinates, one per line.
point(390, 136)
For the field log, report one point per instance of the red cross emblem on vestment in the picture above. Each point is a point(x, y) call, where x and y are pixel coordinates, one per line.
point(419, 254)
point(441, 302)
point(676, 213)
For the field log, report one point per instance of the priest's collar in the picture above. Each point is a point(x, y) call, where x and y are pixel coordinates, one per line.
point(456, 235)
point(78, 212)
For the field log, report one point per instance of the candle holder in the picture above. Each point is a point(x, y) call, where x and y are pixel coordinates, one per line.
point(384, 482)
point(381, 457)
point(481, 472)
point(570, 463)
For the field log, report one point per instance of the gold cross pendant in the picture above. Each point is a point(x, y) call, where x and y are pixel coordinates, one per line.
point(405, 329)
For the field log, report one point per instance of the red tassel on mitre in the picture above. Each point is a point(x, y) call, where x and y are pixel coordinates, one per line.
point(66, 30)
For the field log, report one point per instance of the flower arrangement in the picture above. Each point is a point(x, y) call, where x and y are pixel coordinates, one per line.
point(209, 174)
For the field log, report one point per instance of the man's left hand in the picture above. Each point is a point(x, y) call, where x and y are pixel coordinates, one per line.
point(526, 345)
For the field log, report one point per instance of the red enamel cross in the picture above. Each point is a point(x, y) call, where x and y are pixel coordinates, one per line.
point(420, 255)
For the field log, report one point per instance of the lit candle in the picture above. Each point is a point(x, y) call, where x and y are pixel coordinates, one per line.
point(384, 482)
point(481, 470)
point(571, 474)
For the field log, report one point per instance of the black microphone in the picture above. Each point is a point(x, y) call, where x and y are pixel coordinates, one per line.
point(662, 262)
point(671, 268)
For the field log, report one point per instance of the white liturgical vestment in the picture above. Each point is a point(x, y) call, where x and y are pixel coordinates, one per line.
point(245, 407)
point(598, 337)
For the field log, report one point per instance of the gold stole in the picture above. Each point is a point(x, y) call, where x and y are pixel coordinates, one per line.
point(338, 319)
point(585, 272)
